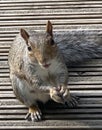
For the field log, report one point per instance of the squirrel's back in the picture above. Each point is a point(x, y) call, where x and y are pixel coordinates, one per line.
point(16, 52)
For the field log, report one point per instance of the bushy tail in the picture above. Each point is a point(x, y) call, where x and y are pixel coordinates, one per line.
point(78, 46)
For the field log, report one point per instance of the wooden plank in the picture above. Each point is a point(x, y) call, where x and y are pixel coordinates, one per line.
point(4, 49)
point(38, 3)
point(85, 87)
point(61, 125)
point(36, 14)
point(5, 44)
point(58, 17)
point(52, 127)
point(52, 12)
point(67, 14)
point(51, 5)
point(55, 22)
point(5, 70)
point(6, 39)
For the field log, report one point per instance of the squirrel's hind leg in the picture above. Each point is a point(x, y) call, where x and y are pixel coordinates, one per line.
point(22, 91)
point(34, 114)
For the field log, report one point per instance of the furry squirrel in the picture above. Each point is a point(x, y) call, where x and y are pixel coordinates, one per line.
point(39, 62)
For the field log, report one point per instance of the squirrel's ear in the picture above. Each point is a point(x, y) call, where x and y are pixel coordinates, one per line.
point(49, 28)
point(24, 34)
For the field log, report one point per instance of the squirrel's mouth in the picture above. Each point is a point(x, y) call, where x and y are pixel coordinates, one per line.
point(46, 65)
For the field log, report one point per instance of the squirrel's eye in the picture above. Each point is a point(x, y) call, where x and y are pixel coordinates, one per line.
point(52, 42)
point(29, 48)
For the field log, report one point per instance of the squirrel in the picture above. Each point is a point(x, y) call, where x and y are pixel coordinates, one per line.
point(38, 63)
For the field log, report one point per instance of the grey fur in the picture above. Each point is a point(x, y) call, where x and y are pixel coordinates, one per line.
point(78, 46)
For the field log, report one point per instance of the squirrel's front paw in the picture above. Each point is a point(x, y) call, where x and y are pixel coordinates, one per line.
point(63, 96)
point(69, 100)
point(56, 96)
point(34, 114)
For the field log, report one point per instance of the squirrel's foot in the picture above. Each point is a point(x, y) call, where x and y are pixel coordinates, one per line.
point(63, 96)
point(34, 114)
point(56, 96)
point(71, 101)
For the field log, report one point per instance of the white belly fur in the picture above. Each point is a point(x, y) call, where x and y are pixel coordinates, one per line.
point(29, 93)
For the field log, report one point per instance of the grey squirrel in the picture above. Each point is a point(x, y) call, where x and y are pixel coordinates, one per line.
point(39, 63)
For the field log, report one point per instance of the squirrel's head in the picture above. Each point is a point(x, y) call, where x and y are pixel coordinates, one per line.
point(41, 46)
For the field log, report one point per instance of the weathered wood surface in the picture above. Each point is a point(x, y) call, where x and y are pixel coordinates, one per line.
point(65, 15)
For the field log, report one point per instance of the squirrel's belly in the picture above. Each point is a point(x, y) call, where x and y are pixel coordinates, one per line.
point(33, 95)
point(28, 94)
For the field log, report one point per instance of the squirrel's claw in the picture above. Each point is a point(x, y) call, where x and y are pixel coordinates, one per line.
point(72, 101)
point(69, 100)
point(34, 114)
point(64, 97)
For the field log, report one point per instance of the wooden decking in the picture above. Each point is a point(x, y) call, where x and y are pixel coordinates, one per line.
point(65, 15)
